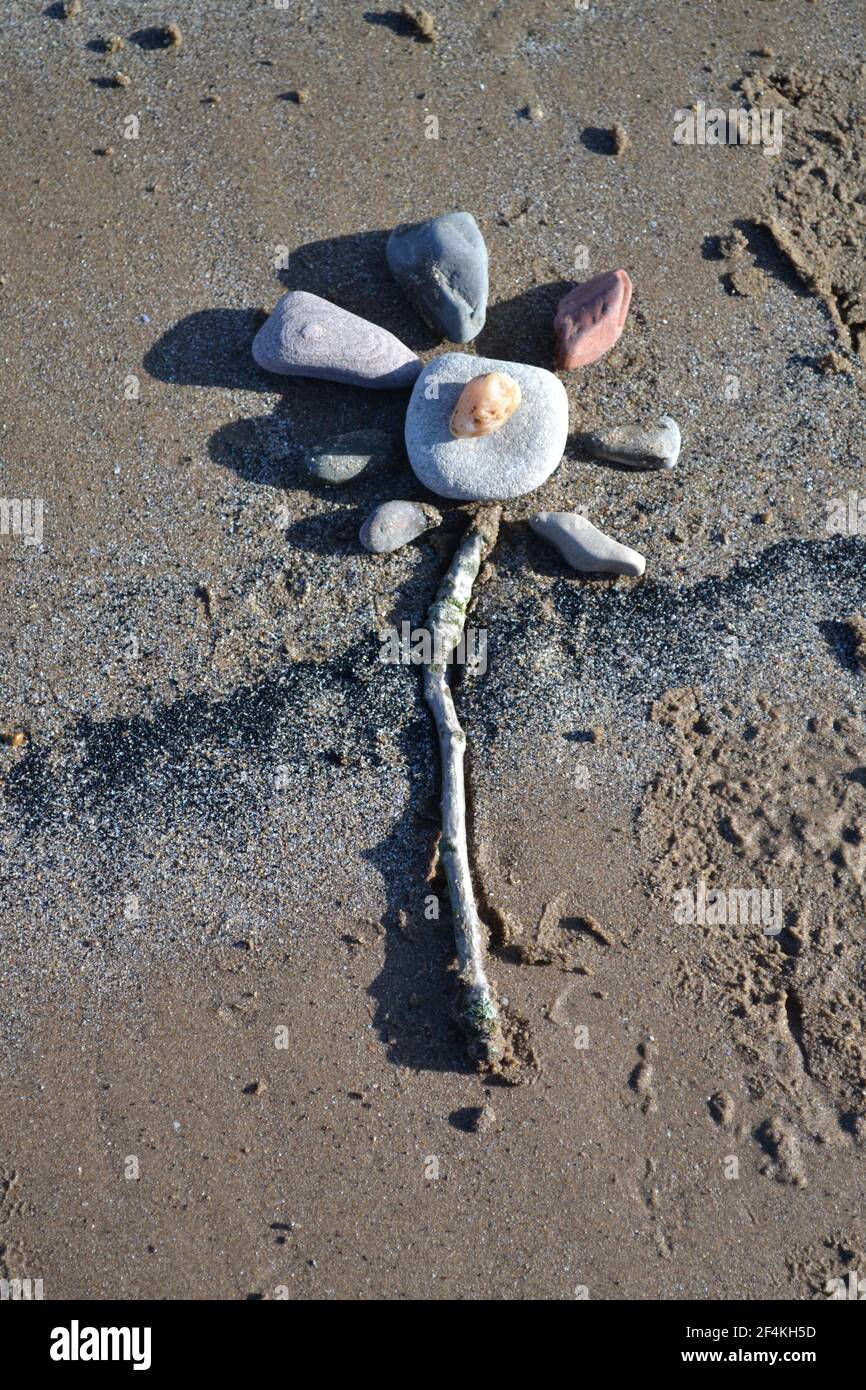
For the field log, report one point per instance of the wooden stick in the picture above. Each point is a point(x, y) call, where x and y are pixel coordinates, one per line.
point(446, 620)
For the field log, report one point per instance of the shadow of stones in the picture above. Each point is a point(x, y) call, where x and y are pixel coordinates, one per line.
point(842, 642)
point(259, 448)
point(520, 329)
point(415, 990)
point(397, 22)
point(150, 38)
point(335, 533)
point(271, 448)
point(598, 139)
point(465, 1119)
point(211, 347)
point(352, 271)
point(332, 533)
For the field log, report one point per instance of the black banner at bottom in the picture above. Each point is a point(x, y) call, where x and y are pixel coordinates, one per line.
point(82, 1339)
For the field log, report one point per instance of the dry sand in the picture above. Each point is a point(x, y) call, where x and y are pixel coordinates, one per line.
point(230, 1066)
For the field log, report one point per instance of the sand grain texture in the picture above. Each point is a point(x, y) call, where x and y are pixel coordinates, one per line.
point(216, 954)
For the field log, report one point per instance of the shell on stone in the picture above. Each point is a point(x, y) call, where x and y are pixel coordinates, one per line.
point(485, 403)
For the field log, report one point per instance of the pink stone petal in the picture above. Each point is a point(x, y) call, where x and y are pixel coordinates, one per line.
point(590, 319)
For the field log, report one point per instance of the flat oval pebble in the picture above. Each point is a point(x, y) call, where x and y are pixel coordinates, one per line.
point(308, 336)
point(347, 456)
point(590, 318)
point(484, 405)
point(515, 459)
point(394, 524)
point(441, 267)
point(636, 446)
point(584, 547)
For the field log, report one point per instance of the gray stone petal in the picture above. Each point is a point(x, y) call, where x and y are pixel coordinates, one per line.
point(513, 460)
point(347, 456)
point(441, 266)
point(309, 336)
point(394, 524)
point(637, 447)
point(584, 547)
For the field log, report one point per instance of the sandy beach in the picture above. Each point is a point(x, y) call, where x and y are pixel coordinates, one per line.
point(231, 1067)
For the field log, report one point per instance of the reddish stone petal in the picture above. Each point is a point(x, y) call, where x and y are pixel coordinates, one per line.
point(590, 319)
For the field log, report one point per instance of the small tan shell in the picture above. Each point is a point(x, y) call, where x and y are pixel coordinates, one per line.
point(485, 403)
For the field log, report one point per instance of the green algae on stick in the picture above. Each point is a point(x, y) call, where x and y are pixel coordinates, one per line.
point(477, 1010)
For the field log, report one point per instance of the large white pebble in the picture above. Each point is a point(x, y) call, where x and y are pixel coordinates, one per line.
point(584, 547)
point(515, 459)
